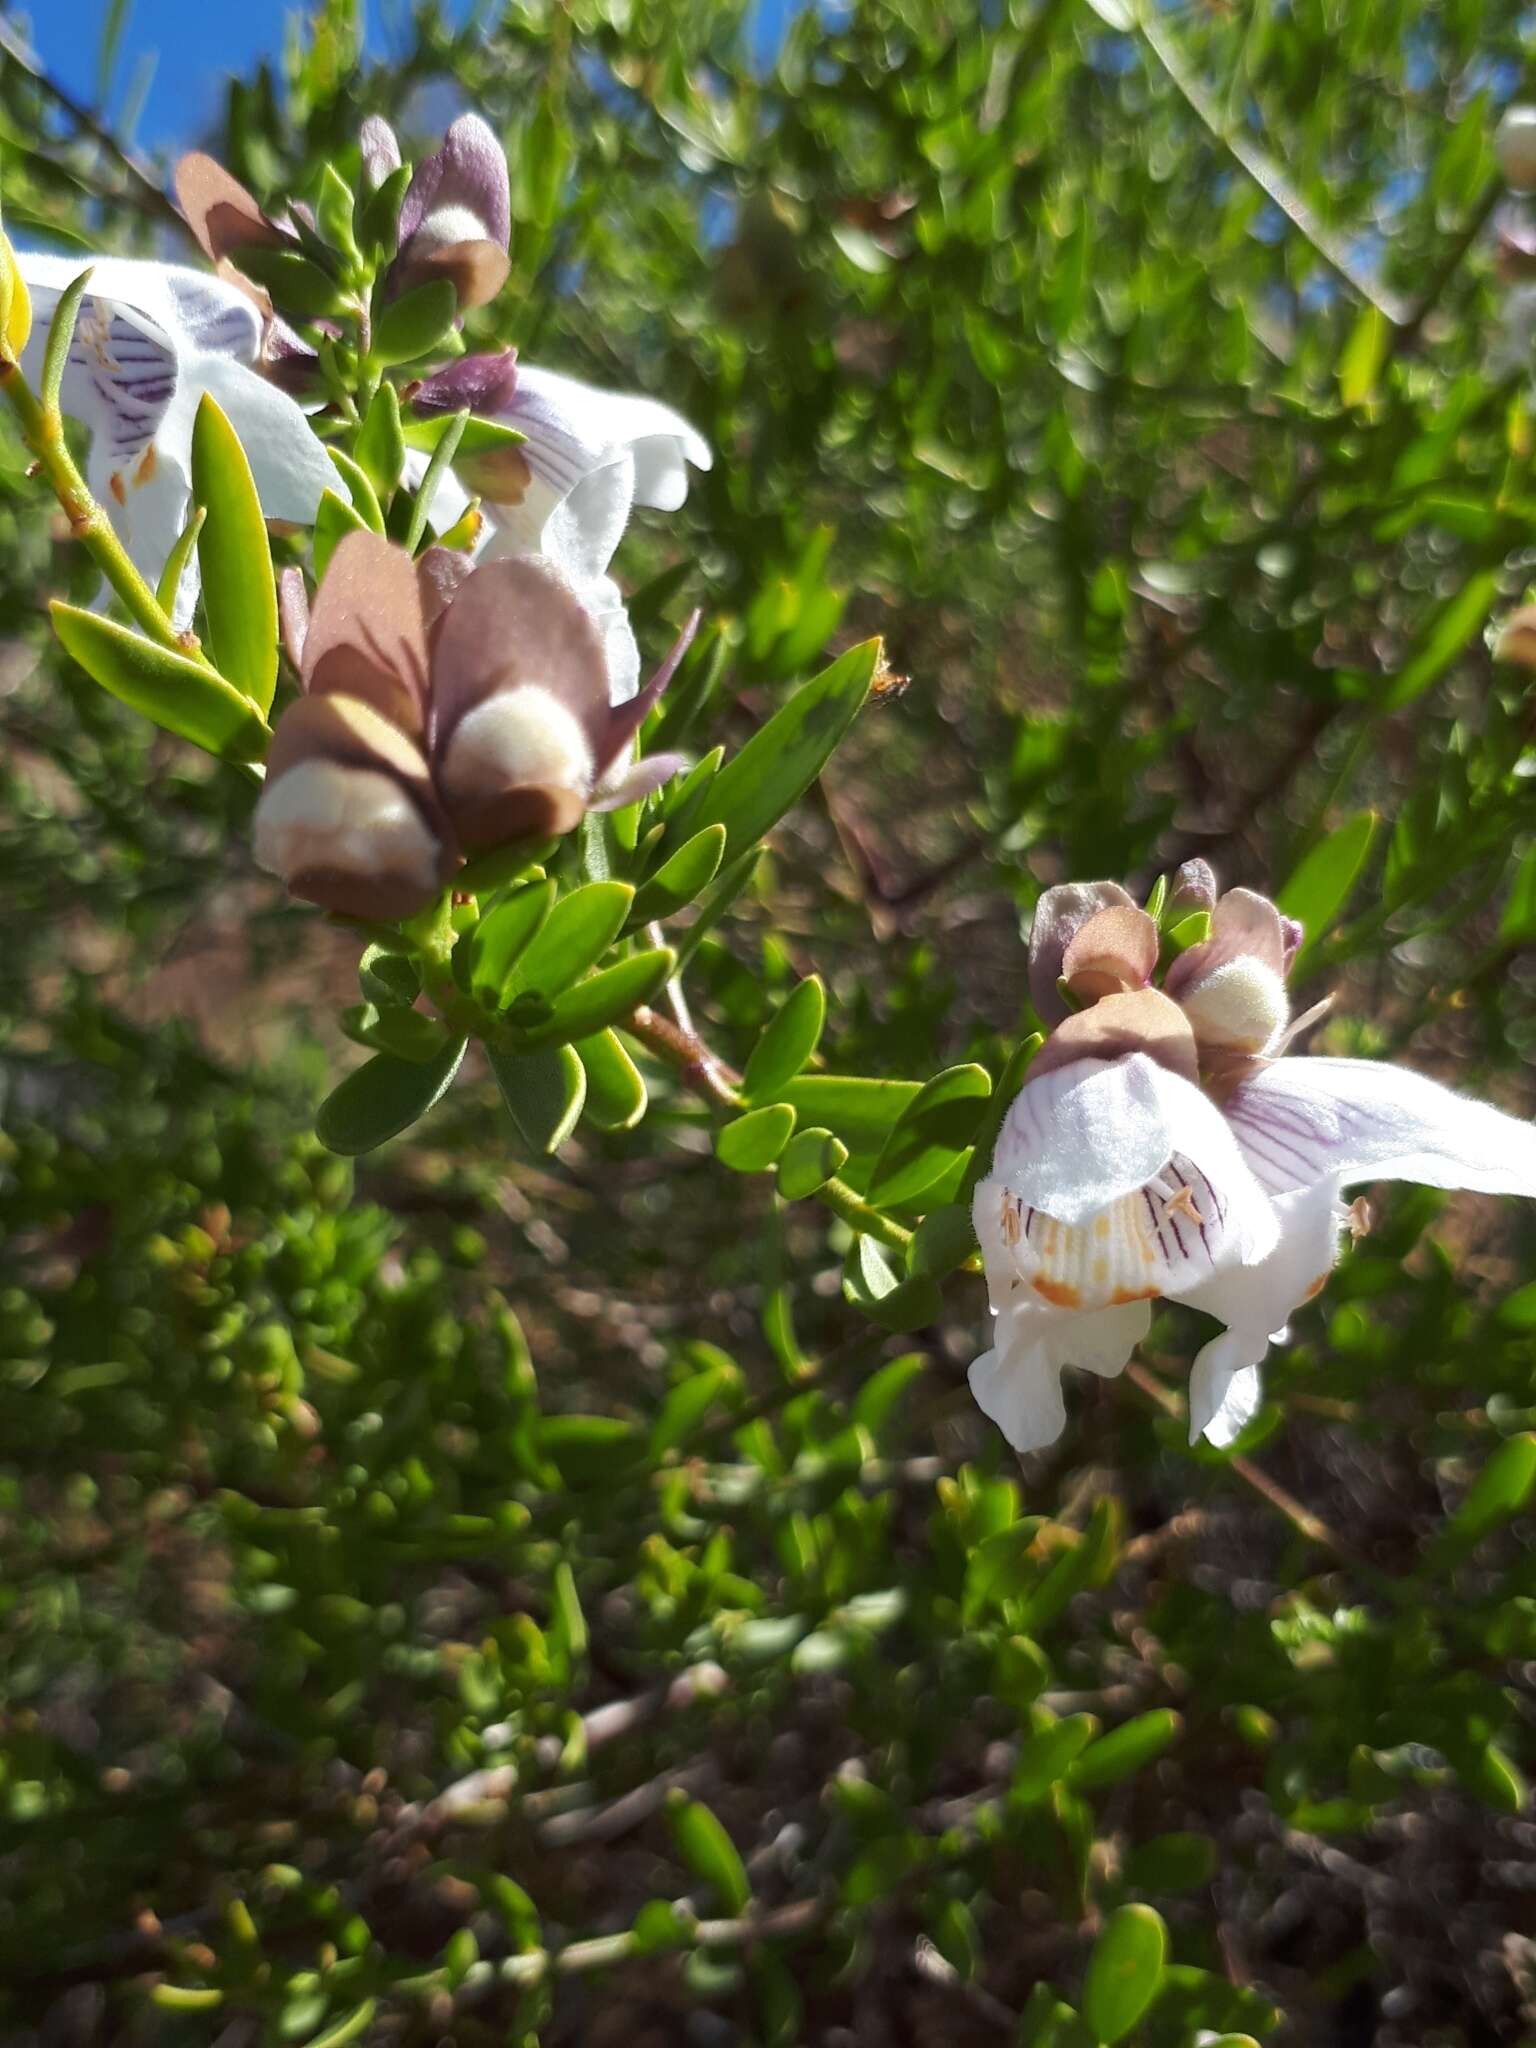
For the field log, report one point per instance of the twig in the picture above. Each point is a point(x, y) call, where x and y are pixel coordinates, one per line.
point(146, 193)
point(1267, 175)
point(1302, 1519)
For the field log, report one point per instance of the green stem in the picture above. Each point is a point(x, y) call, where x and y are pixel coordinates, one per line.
point(854, 1210)
point(43, 431)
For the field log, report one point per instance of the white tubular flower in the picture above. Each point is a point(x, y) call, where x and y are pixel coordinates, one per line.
point(1116, 1181)
point(1164, 1148)
point(566, 492)
point(150, 340)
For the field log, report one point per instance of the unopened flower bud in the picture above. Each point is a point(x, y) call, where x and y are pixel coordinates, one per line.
point(1240, 1006)
point(519, 765)
point(1515, 146)
point(1193, 888)
point(347, 816)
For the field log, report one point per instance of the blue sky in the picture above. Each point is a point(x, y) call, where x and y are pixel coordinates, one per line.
point(197, 43)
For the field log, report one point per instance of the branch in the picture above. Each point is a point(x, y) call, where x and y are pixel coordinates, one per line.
point(145, 192)
point(1268, 176)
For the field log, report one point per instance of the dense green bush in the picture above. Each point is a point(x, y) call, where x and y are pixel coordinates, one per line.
point(486, 1597)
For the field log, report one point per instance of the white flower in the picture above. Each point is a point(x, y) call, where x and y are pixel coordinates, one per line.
point(1165, 1152)
point(566, 492)
point(150, 340)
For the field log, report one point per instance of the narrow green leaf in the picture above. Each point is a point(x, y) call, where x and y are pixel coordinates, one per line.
point(501, 937)
point(335, 206)
point(709, 1852)
point(473, 435)
point(1125, 1750)
point(544, 1090)
point(787, 1042)
point(682, 877)
point(930, 1134)
point(1363, 354)
point(61, 333)
point(783, 758)
point(1442, 639)
point(753, 1142)
point(575, 936)
point(381, 442)
point(176, 561)
point(809, 1161)
point(383, 1098)
point(180, 694)
point(872, 1284)
point(1001, 1567)
point(378, 218)
point(1319, 888)
point(239, 595)
point(416, 323)
point(437, 468)
point(605, 998)
point(365, 500)
point(1125, 1971)
point(1517, 925)
point(352, 2028)
point(616, 1094)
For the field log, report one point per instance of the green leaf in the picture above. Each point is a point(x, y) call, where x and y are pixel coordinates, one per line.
point(661, 1924)
point(297, 285)
point(472, 435)
point(877, 1398)
point(943, 1240)
point(862, 1112)
point(604, 999)
point(872, 1284)
point(709, 1851)
point(1517, 925)
point(1125, 1971)
point(1363, 355)
point(544, 1091)
point(351, 2028)
point(380, 448)
point(1000, 1568)
point(809, 1161)
point(239, 595)
point(930, 1134)
point(61, 333)
point(790, 1038)
point(1172, 1863)
point(1125, 1750)
point(575, 936)
point(753, 1142)
point(383, 1098)
point(182, 695)
point(1499, 1492)
point(686, 1406)
point(616, 1094)
point(1319, 888)
point(682, 877)
point(176, 561)
point(1437, 645)
point(501, 937)
point(378, 218)
point(783, 758)
point(365, 500)
point(416, 323)
point(1044, 1758)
